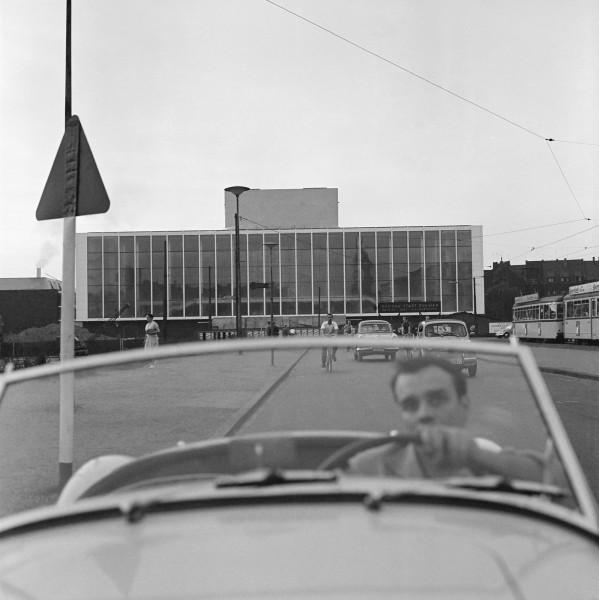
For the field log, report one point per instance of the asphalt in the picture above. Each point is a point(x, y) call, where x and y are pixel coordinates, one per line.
point(567, 359)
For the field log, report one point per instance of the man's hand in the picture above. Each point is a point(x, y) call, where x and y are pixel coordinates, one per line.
point(447, 447)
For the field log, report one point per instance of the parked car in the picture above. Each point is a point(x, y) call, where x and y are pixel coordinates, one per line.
point(452, 328)
point(372, 338)
point(505, 332)
point(195, 480)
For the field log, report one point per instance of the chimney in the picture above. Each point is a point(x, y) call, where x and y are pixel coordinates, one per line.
point(38, 272)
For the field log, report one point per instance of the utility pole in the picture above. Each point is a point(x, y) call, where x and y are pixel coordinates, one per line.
point(237, 190)
point(270, 246)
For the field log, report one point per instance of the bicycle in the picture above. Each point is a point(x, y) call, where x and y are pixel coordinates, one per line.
point(329, 359)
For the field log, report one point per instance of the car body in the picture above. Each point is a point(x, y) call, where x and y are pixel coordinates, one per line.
point(195, 480)
point(453, 328)
point(372, 337)
point(505, 332)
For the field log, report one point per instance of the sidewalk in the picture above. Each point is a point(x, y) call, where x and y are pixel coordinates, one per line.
point(565, 359)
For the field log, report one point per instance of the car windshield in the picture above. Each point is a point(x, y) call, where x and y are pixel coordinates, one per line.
point(440, 329)
point(375, 328)
point(304, 404)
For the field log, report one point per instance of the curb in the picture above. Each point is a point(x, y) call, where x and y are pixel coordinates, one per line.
point(246, 411)
point(569, 373)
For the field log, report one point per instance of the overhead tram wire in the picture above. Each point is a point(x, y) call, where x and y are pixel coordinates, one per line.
point(534, 248)
point(581, 250)
point(433, 84)
point(408, 71)
point(572, 142)
point(533, 228)
point(547, 141)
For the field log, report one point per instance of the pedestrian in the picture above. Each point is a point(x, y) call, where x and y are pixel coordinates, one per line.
point(348, 330)
point(405, 326)
point(152, 330)
point(330, 329)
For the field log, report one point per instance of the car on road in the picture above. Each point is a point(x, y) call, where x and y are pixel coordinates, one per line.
point(372, 338)
point(191, 479)
point(450, 328)
point(505, 332)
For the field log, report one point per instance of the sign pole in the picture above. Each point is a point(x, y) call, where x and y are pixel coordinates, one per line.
point(67, 308)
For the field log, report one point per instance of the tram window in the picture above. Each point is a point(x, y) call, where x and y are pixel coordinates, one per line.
point(585, 308)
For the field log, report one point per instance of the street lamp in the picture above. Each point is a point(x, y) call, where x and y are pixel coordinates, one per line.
point(237, 190)
point(270, 246)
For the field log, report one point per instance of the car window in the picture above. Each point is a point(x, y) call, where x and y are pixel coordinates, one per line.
point(446, 329)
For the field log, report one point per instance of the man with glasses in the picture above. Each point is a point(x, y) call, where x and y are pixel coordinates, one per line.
point(432, 398)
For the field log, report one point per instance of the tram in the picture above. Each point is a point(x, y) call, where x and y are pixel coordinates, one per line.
point(581, 313)
point(537, 318)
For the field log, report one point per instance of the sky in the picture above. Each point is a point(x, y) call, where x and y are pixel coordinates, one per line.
point(420, 112)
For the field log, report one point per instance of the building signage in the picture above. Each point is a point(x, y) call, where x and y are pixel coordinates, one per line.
point(527, 298)
point(584, 288)
point(410, 307)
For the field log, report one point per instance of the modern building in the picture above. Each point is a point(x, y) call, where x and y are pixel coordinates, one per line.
point(317, 267)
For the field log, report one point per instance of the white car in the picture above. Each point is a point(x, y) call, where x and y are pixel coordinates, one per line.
point(193, 479)
point(505, 332)
point(372, 338)
point(450, 328)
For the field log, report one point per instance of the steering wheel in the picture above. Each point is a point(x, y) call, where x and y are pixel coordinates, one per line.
point(340, 458)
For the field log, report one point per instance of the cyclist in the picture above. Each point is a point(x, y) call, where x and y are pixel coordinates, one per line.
point(329, 328)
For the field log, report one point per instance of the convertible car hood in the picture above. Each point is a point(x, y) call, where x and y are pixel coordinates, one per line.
point(303, 551)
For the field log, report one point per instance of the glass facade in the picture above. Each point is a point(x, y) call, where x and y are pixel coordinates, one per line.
point(342, 271)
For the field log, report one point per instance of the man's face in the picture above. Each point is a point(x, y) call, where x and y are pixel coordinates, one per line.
point(428, 397)
point(330, 319)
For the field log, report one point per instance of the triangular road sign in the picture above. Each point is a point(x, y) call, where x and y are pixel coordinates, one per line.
point(74, 186)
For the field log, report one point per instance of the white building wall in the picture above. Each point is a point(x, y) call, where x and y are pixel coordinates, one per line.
point(478, 268)
point(284, 209)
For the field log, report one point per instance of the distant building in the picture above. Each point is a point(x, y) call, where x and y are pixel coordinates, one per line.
point(546, 277)
point(28, 302)
point(318, 267)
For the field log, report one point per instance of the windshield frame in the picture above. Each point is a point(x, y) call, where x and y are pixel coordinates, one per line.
point(521, 354)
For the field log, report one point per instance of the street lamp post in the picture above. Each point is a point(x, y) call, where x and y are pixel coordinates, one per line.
point(270, 246)
point(237, 190)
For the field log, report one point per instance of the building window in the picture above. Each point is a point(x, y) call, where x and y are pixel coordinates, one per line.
point(368, 262)
point(320, 272)
point(259, 265)
point(175, 275)
point(288, 274)
point(351, 240)
point(126, 276)
point(384, 274)
point(208, 275)
point(94, 277)
point(304, 273)
point(158, 243)
point(449, 283)
point(143, 276)
point(416, 261)
point(400, 265)
point(336, 273)
point(224, 277)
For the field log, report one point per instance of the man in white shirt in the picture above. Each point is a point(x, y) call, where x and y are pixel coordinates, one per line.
point(433, 401)
point(329, 328)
